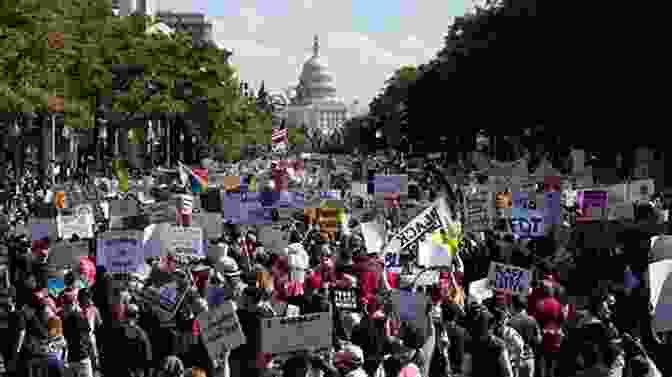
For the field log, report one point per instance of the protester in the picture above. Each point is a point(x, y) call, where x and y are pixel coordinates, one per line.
point(160, 316)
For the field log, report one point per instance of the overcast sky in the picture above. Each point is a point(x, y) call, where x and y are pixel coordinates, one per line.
point(362, 41)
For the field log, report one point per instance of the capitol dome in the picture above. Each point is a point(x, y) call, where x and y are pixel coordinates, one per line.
point(316, 83)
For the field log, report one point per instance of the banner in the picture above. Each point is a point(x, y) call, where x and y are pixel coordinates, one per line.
point(478, 209)
point(221, 331)
point(80, 221)
point(429, 221)
point(120, 251)
point(592, 205)
point(509, 279)
point(281, 335)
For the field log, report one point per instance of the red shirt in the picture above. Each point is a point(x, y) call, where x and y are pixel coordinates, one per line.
point(551, 317)
point(538, 294)
point(370, 274)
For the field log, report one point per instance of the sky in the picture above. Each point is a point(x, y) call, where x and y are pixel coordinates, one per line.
point(362, 41)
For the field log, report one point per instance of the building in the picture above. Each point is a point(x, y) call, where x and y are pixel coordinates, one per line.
point(192, 23)
point(128, 7)
point(314, 103)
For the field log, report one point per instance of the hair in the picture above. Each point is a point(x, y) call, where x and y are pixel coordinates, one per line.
point(55, 326)
point(519, 302)
point(450, 312)
point(296, 366)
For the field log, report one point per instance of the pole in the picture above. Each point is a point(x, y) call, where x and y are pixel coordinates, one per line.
point(167, 125)
point(53, 149)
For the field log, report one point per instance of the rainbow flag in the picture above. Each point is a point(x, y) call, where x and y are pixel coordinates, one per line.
point(198, 178)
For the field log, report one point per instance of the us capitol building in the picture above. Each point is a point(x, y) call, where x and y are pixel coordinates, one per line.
point(313, 102)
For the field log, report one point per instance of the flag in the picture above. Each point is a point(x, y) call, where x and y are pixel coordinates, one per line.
point(120, 170)
point(197, 178)
point(280, 136)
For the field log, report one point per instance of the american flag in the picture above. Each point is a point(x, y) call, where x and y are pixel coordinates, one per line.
point(279, 135)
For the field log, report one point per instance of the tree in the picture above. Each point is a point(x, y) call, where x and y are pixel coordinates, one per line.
point(95, 40)
point(389, 108)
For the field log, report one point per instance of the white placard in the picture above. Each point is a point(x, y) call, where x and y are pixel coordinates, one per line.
point(510, 279)
point(480, 290)
point(121, 251)
point(373, 234)
point(187, 241)
point(286, 335)
point(221, 330)
point(479, 209)
point(80, 222)
point(123, 208)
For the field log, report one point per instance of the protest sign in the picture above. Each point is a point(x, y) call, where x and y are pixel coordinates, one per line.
point(527, 223)
point(374, 236)
point(480, 290)
point(390, 184)
point(592, 205)
point(123, 208)
point(345, 299)
point(280, 335)
point(358, 189)
point(641, 190)
point(167, 298)
point(185, 241)
point(412, 307)
point(42, 227)
point(408, 239)
point(211, 223)
point(272, 238)
point(510, 279)
point(478, 209)
point(221, 331)
point(120, 251)
point(216, 296)
point(423, 277)
point(68, 253)
point(79, 221)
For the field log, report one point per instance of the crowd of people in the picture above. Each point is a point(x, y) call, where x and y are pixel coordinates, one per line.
point(102, 324)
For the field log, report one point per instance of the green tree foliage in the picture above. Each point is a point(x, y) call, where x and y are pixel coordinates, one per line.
point(389, 108)
point(94, 41)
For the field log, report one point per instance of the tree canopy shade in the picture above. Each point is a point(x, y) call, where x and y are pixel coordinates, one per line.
point(507, 68)
point(94, 41)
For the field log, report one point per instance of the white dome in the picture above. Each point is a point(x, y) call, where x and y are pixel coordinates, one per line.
point(316, 82)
